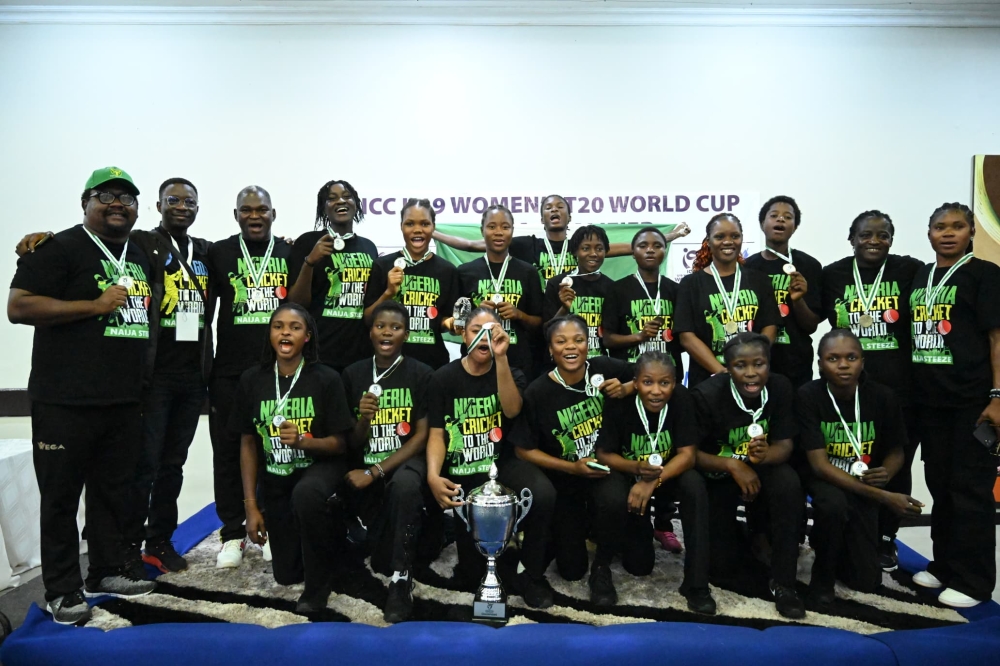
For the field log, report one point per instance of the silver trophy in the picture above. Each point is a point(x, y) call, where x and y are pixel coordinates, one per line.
point(463, 307)
point(492, 513)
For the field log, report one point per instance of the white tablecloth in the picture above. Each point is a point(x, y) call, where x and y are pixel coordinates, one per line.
point(19, 510)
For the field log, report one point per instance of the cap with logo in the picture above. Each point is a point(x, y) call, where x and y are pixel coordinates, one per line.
point(109, 174)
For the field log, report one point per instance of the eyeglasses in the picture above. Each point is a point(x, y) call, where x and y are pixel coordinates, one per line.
point(109, 198)
point(188, 201)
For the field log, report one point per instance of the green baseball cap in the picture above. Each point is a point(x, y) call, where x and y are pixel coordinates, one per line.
point(108, 174)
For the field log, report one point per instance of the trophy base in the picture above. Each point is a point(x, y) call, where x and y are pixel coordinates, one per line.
point(493, 613)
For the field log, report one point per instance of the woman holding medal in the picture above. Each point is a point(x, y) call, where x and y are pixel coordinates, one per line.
point(846, 421)
point(747, 423)
point(423, 282)
point(955, 306)
point(645, 458)
point(330, 268)
point(869, 292)
point(714, 305)
point(562, 416)
point(295, 454)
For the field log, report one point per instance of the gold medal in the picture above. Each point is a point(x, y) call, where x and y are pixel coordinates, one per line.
point(866, 321)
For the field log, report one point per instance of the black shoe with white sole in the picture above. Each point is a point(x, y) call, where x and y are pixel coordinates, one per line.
point(124, 585)
point(70, 608)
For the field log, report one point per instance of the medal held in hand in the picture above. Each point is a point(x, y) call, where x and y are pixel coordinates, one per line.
point(278, 420)
point(463, 307)
point(400, 263)
point(281, 400)
point(126, 281)
point(655, 459)
point(788, 269)
point(755, 430)
point(566, 282)
point(858, 468)
point(375, 390)
point(498, 298)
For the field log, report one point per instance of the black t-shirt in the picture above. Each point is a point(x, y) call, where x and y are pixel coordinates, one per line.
point(468, 408)
point(792, 352)
point(623, 432)
point(244, 308)
point(338, 296)
point(951, 347)
point(886, 343)
point(317, 405)
point(520, 289)
point(565, 423)
point(181, 293)
point(882, 425)
point(589, 304)
point(92, 361)
point(429, 293)
point(701, 310)
point(532, 250)
point(629, 307)
point(403, 402)
point(723, 425)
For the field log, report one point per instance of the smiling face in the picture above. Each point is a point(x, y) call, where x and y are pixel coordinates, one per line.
point(779, 223)
point(872, 241)
point(388, 333)
point(725, 241)
point(841, 363)
point(749, 370)
point(568, 346)
point(178, 207)
point(254, 214)
point(417, 228)
point(950, 234)
point(340, 205)
point(555, 214)
point(648, 250)
point(590, 254)
point(654, 382)
point(289, 334)
point(113, 220)
point(498, 231)
point(481, 352)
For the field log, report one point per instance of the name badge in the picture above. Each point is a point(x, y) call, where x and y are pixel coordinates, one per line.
point(187, 327)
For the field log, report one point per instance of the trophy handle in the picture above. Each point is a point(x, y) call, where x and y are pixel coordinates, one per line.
point(523, 506)
point(460, 510)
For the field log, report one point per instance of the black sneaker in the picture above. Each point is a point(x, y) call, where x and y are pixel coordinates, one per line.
point(123, 585)
point(133, 561)
point(70, 608)
point(399, 603)
point(701, 601)
point(311, 603)
point(787, 601)
point(888, 554)
point(163, 556)
point(536, 592)
point(820, 599)
point(602, 586)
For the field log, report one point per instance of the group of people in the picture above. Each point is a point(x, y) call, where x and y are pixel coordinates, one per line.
point(334, 403)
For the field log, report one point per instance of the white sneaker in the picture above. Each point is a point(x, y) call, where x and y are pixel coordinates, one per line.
point(956, 599)
point(927, 579)
point(266, 550)
point(231, 555)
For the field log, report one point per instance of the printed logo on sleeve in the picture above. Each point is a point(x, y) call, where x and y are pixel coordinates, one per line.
point(254, 303)
point(590, 309)
point(838, 446)
point(183, 295)
point(717, 317)
point(279, 459)
point(132, 319)
point(642, 311)
point(579, 426)
point(931, 326)
point(512, 293)
point(884, 311)
point(348, 276)
point(474, 431)
point(420, 294)
point(392, 424)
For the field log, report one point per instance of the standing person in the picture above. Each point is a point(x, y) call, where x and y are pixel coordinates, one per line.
point(796, 280)
point(85, 292)
point(955, 308)
point(716, 304)
point(747, 422)
point(248, 274)
point(645, 457)
point(557, 431)
point(506, 285)
point(869, 292)
point(291, 413)
point(582, 291)
point(845, 422)
point(423, 282)
point(330, 268)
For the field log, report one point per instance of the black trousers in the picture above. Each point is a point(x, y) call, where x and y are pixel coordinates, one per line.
point(305, 528)
point(226, 458)
point(960, 474)
point(844, 537)
point(617, 530)
point(575, 512)
point(77, 447)
point(171, 408)
point(903, 481)
point(780, 499)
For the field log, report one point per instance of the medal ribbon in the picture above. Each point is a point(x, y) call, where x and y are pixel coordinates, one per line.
point(653, 439)
point(483, 332)
point(279, 400)
point(119, 264)
point(410, 261)
point(498, 281)
point(656, 303)
point(256, 275)
point(729, 300)
point(853, 437)
point(558, 267)
point(787, 258)
point(932, 292)
point(869, 298)
point(336, 236)
point(376, 378)
point(754, 415)
point(588, 389)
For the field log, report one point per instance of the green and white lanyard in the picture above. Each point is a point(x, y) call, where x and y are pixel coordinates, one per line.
point(119, 264)
point(281, 400)
point(656, 303)
point(589, 389)
point(411, 262)
point(789, 266)
point(755, 429)
point(339, 241)
point(729, 300)
point(932, 292)
point(558, 267)
point(498, 281)
point(256, 274)
point(485, 332)
point(867, 298)
point(854, 437)
point(654, 458)
point(376, 377)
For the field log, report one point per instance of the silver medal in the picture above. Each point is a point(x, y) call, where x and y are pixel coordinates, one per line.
point(126, 281)
point(489, 324)
point(755, 430)
point(399, 263)
point(596, 380)
point(567, 282)
point(278, 420)
point(788, 268)
point(655, 459)
point(375, 390)
point(858, 468)
point(731, 327)
point(498, 298)
point(866, 321)
point(339, 244)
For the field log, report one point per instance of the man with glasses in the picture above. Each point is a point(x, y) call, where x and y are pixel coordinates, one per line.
point(86, 291)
